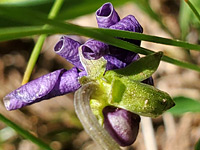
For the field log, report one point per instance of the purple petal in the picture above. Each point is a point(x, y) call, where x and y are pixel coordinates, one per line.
point(106, 16)
point(118, 55)
point(47, 86)
point(68, 48)
point(129, 23)
point(113, 62)
point(122, 125)
point(93, 49)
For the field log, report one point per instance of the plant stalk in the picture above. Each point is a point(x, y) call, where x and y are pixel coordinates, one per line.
point(89, 121)
point(38, 46)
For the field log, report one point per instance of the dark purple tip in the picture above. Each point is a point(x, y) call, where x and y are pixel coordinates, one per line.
point(106, 16)
point(122, 125)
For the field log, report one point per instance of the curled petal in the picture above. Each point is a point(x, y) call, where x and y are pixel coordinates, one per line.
point(118, 55)
point(93, 49)
point(106, 16)
point(68, 48)
point(129, 23)
point(121, 124)
point(113, 63)
point(47, 86)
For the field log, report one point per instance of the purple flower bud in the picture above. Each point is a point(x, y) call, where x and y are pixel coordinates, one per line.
point(106, 16)
point(47, 86)
point(122, 125)
point(93, 49)
point(68, 48)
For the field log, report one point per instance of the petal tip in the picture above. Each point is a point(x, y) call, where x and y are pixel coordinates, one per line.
point(58, 46)
point(6, 101)
point(106, 15)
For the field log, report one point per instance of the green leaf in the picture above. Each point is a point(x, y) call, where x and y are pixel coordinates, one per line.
point(149, 38)
point(10, 33)
point(70, 9)
point(197, 146)
point(138, 70)
point(185, 104)
point(25, 133)
point(139, 98)
point(145, 6)
point(187, 18)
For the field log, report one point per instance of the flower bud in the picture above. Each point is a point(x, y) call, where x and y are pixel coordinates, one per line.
point(121, 124)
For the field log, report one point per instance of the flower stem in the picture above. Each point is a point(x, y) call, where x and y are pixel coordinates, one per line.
point(193, 9)
point(148, 133)
point(25, 133)
point(89, 121)
point(38, 46)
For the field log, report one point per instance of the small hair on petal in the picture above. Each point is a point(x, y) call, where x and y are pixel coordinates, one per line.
point(106, 16)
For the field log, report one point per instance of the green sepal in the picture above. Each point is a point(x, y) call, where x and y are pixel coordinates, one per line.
point(138, 98)
point(122, 88)
point(138, 70)
point(94, 68)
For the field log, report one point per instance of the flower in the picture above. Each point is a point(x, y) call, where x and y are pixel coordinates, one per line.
point(123, 125)
point(61, 81)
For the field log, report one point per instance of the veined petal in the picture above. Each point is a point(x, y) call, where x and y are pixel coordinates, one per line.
point(47, 86)
point(118, 56)
point(68, 48)
point(121, 124)
point(113, 63)
point(128, 23)
point(106, 16)
point(93, 49)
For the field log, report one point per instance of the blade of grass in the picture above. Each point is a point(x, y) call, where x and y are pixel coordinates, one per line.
point(38, 46)
point(85, 8)
point(75, 29)
point(19, 32)
point(24, 133)
point(193, 9)
point(70, 9)
point(149, 38)
point(197, 146)
point(145, 6)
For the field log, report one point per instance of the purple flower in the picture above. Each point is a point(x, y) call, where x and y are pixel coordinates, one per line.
point(53, 84)
point(122, 125)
